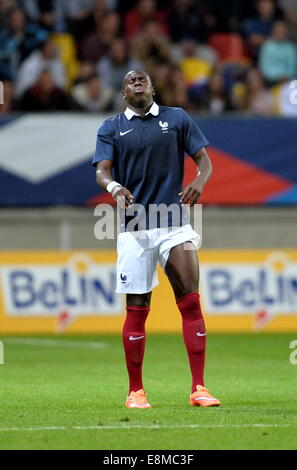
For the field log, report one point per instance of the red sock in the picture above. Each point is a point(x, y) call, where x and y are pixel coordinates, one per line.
point(134, 344)
point(193, 327)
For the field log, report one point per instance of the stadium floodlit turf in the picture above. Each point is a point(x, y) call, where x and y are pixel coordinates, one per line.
point(69, 393)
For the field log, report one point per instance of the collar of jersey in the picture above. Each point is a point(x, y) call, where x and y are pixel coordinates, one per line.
point(154, 110)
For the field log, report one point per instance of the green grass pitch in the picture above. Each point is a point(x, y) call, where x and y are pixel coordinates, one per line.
point(69, 395)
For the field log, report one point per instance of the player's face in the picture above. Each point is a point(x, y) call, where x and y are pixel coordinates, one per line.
point(138, 90)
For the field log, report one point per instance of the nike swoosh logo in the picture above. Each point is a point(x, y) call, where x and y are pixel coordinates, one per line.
point(124, 133)
point(205, 398)
point(132, 338)
point(200, 334)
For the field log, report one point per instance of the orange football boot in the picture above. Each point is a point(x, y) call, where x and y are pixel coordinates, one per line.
point(203, 398)
point(137, 400)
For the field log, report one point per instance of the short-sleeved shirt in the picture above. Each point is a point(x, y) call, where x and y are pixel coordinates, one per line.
point(148, 153)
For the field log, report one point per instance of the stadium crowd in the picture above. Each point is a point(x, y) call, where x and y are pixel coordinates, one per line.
point(202, 55)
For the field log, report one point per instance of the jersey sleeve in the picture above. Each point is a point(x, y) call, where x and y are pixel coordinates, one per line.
point(193, 139)
point(105, 145)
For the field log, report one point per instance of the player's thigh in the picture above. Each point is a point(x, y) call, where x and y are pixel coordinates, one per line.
point(139, 300)
point(182, 269)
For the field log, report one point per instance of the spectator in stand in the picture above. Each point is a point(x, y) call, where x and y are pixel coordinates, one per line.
point(112, 67)
point(202, 51)
point(74, 16)
point(144, 11)
point(161, 78)
point(86, 69)
point(278, 55)
point(97, 44)
point(179, 87)
point(151, 47)
point(196, 71)
point(258, 28)
point(187, 19)
point(228, 15)
point(99, 11)
point(214, 97)
point(6, 8)
point(44, 95)
point(45, 58)
point(170, 86)
point(17, 41)
point(92, 96)
point(58, 15)
point(259, 99)
point(103, 6)
point(40, 11)
point(289, 8)
point(9, 102)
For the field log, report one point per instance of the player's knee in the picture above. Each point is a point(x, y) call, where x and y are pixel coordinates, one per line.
point(138, 300)
point(189, 306)
point(184, 286)
point(186, 290)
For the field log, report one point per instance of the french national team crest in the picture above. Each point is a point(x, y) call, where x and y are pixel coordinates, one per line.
point(164, 127)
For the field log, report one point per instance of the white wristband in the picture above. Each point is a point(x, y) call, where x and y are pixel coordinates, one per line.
point(111, 186)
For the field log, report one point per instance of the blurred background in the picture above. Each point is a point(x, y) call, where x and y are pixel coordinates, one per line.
point(204, 55)
point(232, 65)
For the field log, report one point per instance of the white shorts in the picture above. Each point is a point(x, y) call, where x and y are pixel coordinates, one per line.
point(139, 253)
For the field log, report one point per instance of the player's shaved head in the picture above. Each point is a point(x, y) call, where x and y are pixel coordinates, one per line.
point(132, 73)
point(138, 90)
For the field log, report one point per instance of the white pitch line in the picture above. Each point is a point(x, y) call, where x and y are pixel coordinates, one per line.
point(53, 343)
point(145, 426)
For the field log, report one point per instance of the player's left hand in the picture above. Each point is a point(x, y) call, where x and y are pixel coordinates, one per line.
point(192, 192)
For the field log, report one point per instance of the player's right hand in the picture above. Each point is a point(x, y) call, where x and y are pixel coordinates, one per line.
point(122, 196)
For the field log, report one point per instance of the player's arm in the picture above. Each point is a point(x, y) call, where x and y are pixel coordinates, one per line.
point(194, 190)
point(104, 179)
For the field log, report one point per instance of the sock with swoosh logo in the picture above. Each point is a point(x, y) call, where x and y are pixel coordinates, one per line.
point(194, 334)
point(134, 344)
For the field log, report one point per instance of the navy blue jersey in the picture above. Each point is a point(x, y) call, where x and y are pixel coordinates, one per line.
point(148, 153)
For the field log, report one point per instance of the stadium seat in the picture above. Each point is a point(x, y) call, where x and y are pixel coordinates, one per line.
point(229, 46)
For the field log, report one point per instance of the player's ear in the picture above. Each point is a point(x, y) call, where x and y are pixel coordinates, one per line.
point(153, 92)
point(124, 94)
